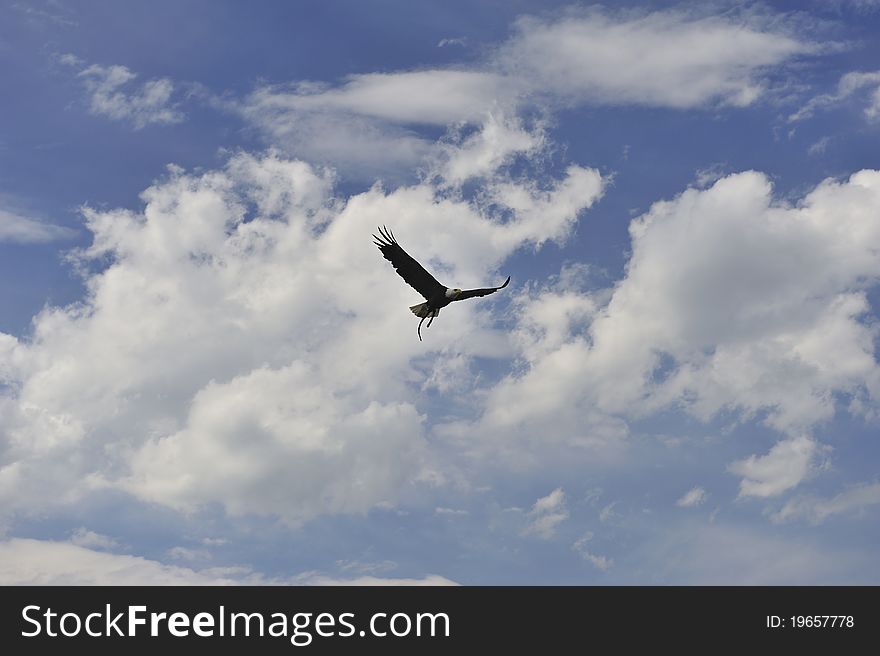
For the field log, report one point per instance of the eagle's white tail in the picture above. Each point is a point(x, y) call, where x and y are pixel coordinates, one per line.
point(421, 310)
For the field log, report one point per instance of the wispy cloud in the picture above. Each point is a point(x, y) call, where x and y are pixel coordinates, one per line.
point(207, 276)
point(451, 41)
point(546, 514)
point(786, 465)
point(667, 58)
point(854, 84)
point(51, 12)
point(82, 537)
point(819, 147)
point(321, 579)
point(581, 546)
point(593, 57)
point(114, 93)
point(816, 510)
point(17, 228)
point(693, 497)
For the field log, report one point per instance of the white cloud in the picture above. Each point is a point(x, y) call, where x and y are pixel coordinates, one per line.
point(82, 537)
point(188, 554)
point(708, 176)
point(546, 515)
point(819, 147)
point(255, 447)
point(863, 5)
point(17, 228)
point(732, 301)
point(435, 97)
point(602, 563)
point(786, 465)
point(371, 568)
point(594, 57)
point(366, 121)
point(486, 150)
point(114, 94)
point(451, 41)
point(850, 84)
point(270, 366)
point(757, 303)
point(54, 12)
point(42, 562)
point(607, 512)
point(429, 580)
point(348, 143)
point(666, 58)
point(858, 6)
point(817, 510)
point(693, 497)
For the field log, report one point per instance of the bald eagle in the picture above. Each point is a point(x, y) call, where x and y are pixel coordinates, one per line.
point(436, 295)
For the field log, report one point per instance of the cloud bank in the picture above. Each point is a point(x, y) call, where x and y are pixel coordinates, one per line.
point(242, 343)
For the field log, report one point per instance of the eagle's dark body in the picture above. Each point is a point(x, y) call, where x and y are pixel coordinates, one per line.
point(436, 295)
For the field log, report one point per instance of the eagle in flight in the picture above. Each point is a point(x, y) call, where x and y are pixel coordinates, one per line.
point(436, 295)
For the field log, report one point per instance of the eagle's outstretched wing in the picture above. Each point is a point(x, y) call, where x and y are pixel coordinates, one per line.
point(411, 271)
point(470, 293)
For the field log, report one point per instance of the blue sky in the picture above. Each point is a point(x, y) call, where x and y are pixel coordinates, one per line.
point(209, 374)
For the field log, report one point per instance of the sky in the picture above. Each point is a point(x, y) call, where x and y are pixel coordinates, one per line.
point(209, 375)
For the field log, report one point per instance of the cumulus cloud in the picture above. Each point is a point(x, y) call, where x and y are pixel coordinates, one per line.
point(272, 441)
point(115, 94)
point(486, 150)
point(16, 228)
point(786, 465)
point(732, 301)
point(693, 497)
point(546, 514)
point(242, 347)
point(816, 510)
point(243, 344)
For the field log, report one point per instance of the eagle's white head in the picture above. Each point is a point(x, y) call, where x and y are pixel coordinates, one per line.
point(453, 293)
